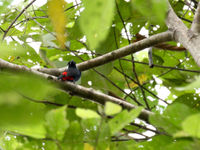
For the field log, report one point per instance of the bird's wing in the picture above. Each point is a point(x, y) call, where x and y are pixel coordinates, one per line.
point(73, 72)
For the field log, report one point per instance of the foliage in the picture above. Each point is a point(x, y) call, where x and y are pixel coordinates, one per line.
point(56, 32)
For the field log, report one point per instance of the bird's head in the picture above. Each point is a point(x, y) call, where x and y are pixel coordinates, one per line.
point(72, 64)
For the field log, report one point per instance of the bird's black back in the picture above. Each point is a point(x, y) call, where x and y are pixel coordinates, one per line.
point(74, 72)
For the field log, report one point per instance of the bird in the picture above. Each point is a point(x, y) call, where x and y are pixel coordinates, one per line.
point(72, 73)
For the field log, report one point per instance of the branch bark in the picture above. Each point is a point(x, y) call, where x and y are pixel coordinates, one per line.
point(161, 45)
point(196, 22)
point(78, 90)
point(183, 35)
point(116, 54)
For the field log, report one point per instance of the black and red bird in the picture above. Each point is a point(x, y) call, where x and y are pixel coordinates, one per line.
point(72, 73)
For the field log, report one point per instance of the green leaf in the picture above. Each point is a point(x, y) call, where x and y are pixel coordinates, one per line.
point(164, 123)
point(177, 6)
point(158, 9)
point(73, 138)
point(181, 134)
point(86, 113)
point(172, 117)
point(98, 82)
point(35, 144)
point(56, 123)
point(96, 79)
point(157, 143)
point(17, 53)
point(122, 119)
point(78, 102)
point(125, 145)
point(97, 133)
point(103, 134)
point(18, 111)
point(111, 108)
point(25, 85)
point(191, 100)
point(177, 112)
point(184, 144)
point(4, 5)
point(90, 126)
point(96, 20)
point(110, 42)
point(9, 142)
point(105, 69)
point(191, 125)
point(192, 85)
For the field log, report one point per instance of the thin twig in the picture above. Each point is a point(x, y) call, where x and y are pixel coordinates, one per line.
point(134, 71)
point(145, 128)
point(133, 98)
point(195, 3)
point(122, 66)
point(133, 131)
point(73, 6)
point(140, 85)
point(165, 67)
point(30, 18)
point(185, 19)
point(44, 28)
point(46, 102)
point(2, 29)
point(189, 6)
point(5, 33)
point(164, 73)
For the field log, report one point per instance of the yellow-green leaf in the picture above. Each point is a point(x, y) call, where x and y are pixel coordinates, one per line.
point(86, 113)
point(58, 19)
point(191, 125)
point(111, 108)
point(142, 78)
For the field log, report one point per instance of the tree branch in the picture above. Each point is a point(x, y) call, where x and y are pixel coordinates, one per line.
point(78, 90)
point(183, 35)
point(161, 45)
point(196, 22)
point(119, 53)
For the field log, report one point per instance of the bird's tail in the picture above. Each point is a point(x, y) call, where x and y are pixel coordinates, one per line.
point(60, 77)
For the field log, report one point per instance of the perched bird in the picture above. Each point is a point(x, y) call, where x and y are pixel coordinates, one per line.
point(72, 74)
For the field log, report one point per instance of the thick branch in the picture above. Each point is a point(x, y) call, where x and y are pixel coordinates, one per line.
point(196, 22)
point(161, 45)
point(116, 54)
point(183, 35)
point(78, 90)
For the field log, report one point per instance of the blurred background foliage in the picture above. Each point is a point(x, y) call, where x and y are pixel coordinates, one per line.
point(35, 114)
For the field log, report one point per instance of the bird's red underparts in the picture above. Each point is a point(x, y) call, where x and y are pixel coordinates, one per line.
point(67, 78)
